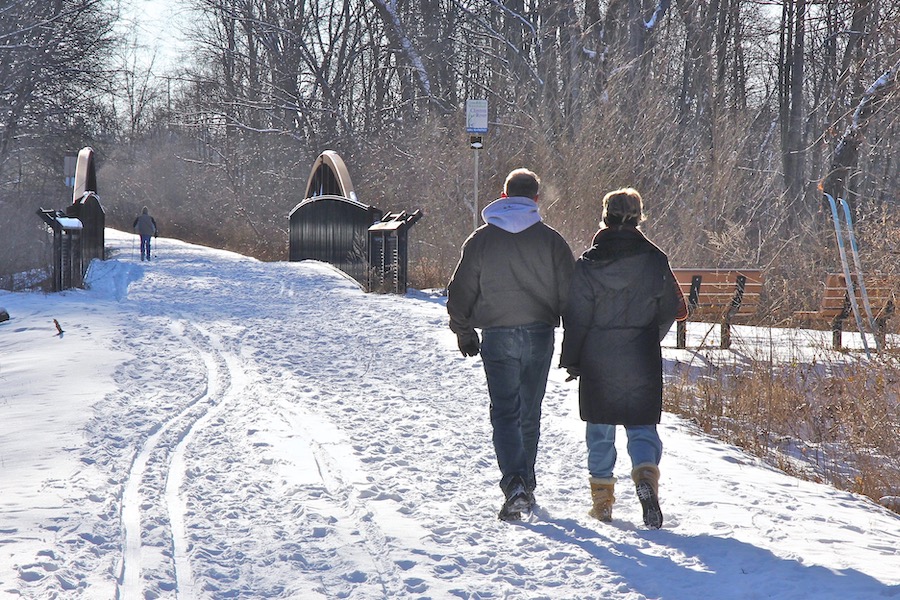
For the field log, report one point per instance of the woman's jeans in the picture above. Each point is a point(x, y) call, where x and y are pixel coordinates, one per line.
point(644, 446)
point(516, 363)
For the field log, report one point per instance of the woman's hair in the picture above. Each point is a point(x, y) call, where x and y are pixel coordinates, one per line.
point(522, 182)
point(623, 207)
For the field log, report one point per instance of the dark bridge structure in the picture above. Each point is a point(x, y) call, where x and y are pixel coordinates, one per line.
point(331, 225)
point(86, 208)
point(79, 231)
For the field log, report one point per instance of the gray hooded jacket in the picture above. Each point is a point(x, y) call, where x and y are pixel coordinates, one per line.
point(514, 270)
point(145, 225)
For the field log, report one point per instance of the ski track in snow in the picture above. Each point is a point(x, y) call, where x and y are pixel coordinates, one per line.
point(169, 440)
point(282, 435)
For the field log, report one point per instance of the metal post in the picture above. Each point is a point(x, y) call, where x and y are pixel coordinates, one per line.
point(475, 214)
point(477, 124)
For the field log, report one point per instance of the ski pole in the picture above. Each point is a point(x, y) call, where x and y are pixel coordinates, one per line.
point(847, 276)
point(854, 248)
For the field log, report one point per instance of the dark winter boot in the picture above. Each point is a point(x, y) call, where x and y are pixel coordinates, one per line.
point(518, 500)
point(646, 481)
point(602, 495)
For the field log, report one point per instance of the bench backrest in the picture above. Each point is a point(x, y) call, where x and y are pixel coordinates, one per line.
point(882, 291)
point(720, 290)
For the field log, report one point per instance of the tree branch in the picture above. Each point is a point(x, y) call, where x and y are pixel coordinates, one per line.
point(846, 152)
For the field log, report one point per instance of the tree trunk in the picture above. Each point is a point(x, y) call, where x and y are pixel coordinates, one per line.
point(791, 87)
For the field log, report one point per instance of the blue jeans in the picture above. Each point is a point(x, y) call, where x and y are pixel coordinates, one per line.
point(516, 363)
point(145, 246)
point(644, 446)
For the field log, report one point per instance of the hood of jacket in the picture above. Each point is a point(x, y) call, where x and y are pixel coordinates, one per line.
point(619, 251)
point(614, 243)
point(513, 214)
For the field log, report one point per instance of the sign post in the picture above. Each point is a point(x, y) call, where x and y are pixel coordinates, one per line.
point(476, 123)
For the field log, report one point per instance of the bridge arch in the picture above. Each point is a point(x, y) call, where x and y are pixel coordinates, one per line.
point(329, 177)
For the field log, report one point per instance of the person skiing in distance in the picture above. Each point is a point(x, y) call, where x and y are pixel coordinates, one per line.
point(511, 282)
point(623, 300)
point(145, 226)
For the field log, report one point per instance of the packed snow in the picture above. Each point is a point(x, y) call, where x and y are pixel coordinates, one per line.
point(211, 426)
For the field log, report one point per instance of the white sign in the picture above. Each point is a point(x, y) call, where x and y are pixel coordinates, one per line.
point(476, 116)
point(69, 165)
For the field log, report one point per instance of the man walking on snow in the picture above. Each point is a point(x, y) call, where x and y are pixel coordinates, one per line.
point(511, 282)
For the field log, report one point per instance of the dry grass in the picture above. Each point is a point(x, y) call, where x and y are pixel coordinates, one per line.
point(823, 421)
point(428, 273)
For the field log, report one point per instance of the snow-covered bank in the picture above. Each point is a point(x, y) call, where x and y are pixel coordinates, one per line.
point(209, 426)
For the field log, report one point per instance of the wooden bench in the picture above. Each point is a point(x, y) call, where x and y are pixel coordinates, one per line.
point(721, 295)
point(836, 307)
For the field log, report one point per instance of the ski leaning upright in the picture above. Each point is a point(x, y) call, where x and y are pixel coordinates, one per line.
point(848, 276)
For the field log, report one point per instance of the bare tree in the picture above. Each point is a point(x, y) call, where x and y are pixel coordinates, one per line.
point(52, 72)
point(51, 52)
point(791, 96)
point(846, 153)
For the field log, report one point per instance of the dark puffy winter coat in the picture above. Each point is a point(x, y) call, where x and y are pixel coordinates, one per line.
point(622, 301)
point(509, 279)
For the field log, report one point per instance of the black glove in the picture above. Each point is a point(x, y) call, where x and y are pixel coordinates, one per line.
point(468, 344)
point(574, 373)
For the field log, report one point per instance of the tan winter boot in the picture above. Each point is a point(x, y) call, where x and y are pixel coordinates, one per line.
point(603, 498)
point(646, 482)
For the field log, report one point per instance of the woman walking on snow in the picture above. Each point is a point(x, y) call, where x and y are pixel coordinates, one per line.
point(622, 301)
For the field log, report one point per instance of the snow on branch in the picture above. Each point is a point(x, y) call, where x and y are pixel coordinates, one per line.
point(389, 12)
point(846, 152)
point(661, 7)
point(873, 97)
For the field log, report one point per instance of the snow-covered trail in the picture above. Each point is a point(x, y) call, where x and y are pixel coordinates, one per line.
point(273, 432)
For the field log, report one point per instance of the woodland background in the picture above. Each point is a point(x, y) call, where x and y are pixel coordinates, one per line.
point(731, 117)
